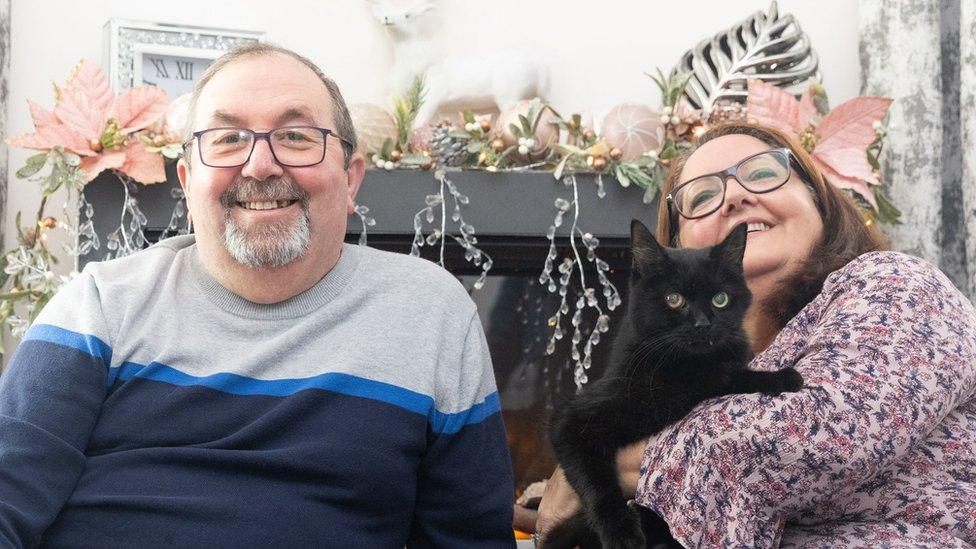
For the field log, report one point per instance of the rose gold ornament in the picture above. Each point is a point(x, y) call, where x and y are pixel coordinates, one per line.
point(497, 145)
point(616, 153)
point(599, 163)
point(633, 128)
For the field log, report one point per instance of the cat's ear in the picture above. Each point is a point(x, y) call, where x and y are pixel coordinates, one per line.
point(646, 254)
point(733, 248)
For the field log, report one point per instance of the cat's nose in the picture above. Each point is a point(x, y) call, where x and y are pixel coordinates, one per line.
point(701, 322)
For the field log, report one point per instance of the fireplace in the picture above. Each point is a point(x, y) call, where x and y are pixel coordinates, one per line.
point(511, 213)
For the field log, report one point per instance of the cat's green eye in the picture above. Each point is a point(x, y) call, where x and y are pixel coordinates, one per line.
point(674, 300)
point(720, 300)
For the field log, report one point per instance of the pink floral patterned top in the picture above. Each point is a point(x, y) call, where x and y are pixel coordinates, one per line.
point(879, 447)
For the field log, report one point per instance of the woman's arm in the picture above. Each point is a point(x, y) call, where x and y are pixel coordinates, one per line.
point(886, 350)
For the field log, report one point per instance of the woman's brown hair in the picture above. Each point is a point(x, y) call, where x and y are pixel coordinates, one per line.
point(847, 232)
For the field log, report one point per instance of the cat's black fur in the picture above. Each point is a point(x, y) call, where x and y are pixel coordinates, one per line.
point(663, 363)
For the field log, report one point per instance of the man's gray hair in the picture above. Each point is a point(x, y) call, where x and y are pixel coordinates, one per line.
point(340, 113)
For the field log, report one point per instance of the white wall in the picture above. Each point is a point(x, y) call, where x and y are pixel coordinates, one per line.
point(597, 51)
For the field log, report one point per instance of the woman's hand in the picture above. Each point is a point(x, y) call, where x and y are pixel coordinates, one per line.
point(559, 501)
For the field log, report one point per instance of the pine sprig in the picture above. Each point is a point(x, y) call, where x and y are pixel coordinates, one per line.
point(405, 111)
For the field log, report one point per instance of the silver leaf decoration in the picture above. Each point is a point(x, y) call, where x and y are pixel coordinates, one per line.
point(764, 46)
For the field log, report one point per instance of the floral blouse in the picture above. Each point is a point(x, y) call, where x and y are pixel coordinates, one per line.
point(877, 450)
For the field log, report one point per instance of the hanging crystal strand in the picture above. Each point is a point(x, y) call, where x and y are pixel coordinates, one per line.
point(581, 353)
point(601, 191)
point(367, 221)
point(74, 243)
point(610, 292)
point(129, 237)
point(565, 269)
point(562, 205)
point(432, 200)
point(443, 178)
point(588, 299)
point(179, 210)
point(87, 238)
point(467, 240)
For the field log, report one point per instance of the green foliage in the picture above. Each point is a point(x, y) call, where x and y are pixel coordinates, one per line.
point(672, 87)
point(27, 281)
point(33, 165)
point(405, 111)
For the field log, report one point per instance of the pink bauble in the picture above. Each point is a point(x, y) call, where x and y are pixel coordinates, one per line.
point(373, 126)
point(634, 129)
point(546, 133)
point(420, 139)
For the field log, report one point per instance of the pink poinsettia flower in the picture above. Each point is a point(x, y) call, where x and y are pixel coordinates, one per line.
point(838, 141)
point(90, 121)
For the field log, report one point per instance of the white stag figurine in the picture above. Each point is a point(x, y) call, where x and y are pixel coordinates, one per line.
point(498, 79)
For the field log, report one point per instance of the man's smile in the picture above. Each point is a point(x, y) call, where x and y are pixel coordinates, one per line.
point(266, 205)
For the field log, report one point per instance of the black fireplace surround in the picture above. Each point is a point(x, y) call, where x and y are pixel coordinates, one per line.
point(511, 213)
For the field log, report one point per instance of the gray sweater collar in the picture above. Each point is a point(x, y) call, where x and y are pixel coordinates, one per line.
point(319, 295)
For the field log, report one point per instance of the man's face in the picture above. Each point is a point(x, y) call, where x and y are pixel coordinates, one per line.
point(262, 214)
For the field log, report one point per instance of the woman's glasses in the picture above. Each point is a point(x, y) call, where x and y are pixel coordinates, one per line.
point(760, 173)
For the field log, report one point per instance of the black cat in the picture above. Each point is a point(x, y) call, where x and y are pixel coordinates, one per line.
point(680, 342)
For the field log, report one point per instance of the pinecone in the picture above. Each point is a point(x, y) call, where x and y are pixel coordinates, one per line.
point(448, 150)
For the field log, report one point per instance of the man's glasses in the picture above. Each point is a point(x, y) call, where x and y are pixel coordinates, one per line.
point(292, 146)
point(760, 173)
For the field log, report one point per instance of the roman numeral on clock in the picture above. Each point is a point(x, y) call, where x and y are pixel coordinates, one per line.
point(160, 66)
point(184, 70)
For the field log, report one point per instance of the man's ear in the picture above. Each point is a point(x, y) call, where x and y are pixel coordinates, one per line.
point(354, 178)
point(183, 172)
point(646, 254)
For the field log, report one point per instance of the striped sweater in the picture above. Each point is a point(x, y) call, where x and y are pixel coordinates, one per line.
point(149, 406)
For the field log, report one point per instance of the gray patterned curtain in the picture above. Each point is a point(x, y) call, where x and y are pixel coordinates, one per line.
point(923, 54)
point(4, 71)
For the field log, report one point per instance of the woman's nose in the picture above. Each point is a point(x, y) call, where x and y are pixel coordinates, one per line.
point(736, 196)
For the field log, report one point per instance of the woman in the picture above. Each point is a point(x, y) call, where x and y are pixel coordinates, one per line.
point(880, 445)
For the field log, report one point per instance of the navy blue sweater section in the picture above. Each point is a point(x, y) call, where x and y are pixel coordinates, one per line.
point(174, 459)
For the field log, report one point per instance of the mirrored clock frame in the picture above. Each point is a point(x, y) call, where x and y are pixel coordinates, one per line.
point(127, 42)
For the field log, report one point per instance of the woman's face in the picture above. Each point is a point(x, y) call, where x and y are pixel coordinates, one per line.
point(793, 224)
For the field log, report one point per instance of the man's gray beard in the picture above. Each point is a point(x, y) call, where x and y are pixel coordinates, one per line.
point(265, 246)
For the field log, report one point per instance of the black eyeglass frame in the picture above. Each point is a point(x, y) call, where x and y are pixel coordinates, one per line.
point(732, 171)
point(267, 137)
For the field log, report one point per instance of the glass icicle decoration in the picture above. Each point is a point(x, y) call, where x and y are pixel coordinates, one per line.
point(466, 240)
point(174, 227)
point(81, 236)
point(366, 220)
point(129, 237)
point(581, 352)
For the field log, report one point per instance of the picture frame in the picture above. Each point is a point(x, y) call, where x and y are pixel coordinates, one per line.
point(170, 56)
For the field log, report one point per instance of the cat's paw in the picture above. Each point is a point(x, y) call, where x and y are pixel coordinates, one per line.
point(787, 380)
point(792, 380)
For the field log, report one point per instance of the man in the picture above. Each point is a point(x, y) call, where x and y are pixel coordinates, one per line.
point(261, 383)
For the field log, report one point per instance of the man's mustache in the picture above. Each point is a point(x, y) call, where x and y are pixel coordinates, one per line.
point(248, 189)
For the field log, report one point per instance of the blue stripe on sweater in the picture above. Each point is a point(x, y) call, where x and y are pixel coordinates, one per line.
point(83, 342)
point(446, 423)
